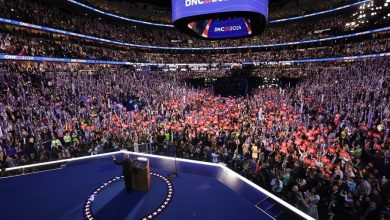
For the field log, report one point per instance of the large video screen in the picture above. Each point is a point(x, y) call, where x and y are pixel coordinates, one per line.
point(189, 8)
point(220, 18)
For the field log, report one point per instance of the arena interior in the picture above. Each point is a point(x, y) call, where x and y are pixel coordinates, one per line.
point(235, 109)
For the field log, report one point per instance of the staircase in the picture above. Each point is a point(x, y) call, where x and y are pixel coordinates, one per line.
point(274, 210)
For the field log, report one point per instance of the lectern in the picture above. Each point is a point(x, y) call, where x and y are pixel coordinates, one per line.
point(141, 174)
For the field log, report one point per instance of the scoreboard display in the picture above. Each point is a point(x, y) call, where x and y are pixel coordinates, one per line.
point(220, 19)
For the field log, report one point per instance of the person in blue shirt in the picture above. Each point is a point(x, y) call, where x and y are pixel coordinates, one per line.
point(351, 184)
point(10, 151)
point(214, 156)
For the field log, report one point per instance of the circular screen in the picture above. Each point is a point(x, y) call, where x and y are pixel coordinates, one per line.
point(220, 19)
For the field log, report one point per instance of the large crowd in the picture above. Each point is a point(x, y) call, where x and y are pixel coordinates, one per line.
point(135, 10)
point(305, 141)
point(37, 12)
point(18, 43)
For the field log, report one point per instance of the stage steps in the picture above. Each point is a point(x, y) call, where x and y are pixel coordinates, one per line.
point(273, 209)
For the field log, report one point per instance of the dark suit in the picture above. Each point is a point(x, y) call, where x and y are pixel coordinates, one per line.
point(127, 170)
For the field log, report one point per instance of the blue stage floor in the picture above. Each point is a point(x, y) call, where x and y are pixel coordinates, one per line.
point(62, 193)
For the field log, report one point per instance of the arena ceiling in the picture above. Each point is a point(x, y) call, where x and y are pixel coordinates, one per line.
point(278, 8)
point(273, 3)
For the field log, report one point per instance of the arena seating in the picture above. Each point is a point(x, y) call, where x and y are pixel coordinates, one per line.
point(322, 144)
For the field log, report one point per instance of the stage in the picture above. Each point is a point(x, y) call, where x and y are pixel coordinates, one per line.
point(92, 189)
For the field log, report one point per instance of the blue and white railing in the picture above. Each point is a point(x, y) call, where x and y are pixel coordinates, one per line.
point(87, 61)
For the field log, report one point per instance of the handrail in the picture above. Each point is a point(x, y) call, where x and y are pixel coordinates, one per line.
point(59, 161)
point(75, 159)
point(86, 61)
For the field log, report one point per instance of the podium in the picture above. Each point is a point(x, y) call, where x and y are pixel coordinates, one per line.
point(141, 174)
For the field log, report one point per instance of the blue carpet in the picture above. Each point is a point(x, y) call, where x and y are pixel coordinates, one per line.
point(115, 203)
point(199, 197)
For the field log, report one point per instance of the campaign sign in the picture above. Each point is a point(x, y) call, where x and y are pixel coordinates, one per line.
point(232, 28)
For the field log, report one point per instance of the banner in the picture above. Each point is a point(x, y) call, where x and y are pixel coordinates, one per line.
point(69, 60)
